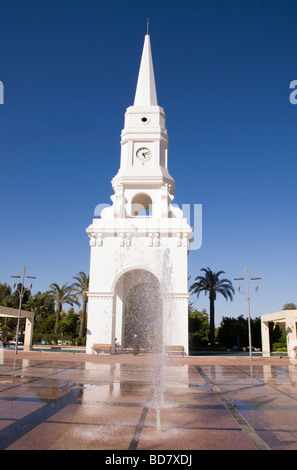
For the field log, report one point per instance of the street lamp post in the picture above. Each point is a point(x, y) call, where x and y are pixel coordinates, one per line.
point(21, 293)
point(247, 294)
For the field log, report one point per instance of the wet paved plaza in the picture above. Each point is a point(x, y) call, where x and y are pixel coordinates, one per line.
point(54, 401)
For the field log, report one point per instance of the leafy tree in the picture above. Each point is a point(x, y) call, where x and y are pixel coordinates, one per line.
point(68, 324)
point(277, 334)
point(211, 284)
point(16, 296)
point(5, 291)
point(11, 299)
point(46, 326)
point(234, 332)
point(81, 287)
point(42, 304)
point(4, 333)
point(62, 295)
point(198, 328)
point(7, 300)
point(290, 306)
point(256, 332)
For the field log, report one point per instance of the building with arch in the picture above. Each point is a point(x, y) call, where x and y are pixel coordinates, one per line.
point(289, 318)
point(8, 312)
point(140, 244)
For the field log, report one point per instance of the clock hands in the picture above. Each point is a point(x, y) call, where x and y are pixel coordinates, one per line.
point(143, 154)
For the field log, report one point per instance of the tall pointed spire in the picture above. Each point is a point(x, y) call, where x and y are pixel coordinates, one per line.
point(146, 94)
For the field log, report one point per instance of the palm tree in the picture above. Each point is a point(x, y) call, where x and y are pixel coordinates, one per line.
point(211, 283)
point(81, 287)
point(62, 295)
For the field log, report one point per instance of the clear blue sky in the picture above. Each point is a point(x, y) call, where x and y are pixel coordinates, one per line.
point(222, 68)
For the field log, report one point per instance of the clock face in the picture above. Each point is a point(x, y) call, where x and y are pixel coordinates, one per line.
point(143, 154)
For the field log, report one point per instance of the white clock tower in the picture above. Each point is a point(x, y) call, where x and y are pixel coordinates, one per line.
point(139, 245)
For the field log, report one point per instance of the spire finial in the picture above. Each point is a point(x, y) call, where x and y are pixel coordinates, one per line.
point(146, 88)
point(147, 25)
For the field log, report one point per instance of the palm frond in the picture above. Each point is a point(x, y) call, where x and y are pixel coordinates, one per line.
point(211, 283)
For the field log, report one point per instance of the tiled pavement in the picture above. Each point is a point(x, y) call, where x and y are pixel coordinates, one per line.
point(72, 401)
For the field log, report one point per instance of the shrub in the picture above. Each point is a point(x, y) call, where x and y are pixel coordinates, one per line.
point(279, 347)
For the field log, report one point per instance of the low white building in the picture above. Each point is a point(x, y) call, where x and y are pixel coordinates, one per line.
point(289, 317)
point(7, 312)
point(142, 238)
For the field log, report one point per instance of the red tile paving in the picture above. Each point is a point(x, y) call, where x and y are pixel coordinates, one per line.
point(54, 401)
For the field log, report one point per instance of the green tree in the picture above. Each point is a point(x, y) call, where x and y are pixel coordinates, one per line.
point(46, 326)
point(68, 324)
point(198, 328)
point(4, 333)
point(234, 332)
point(277, 334)
point(11, 299)
point(290, 306)
point(62, 295)
point(5, 292)
point(81, 288)
point(42, 304)
point(211, 284)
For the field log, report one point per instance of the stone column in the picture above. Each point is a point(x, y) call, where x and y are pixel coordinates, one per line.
point(175, 320)
point(265, 338)
point(99, 328)
point(291, 333)
point(28, 333)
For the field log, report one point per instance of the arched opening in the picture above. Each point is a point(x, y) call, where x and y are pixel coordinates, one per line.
point(141, 309)
point(141, 205)
point(143, 316)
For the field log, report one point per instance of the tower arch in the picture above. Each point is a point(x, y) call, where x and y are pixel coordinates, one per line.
point(138, 309)
point(141, 204)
